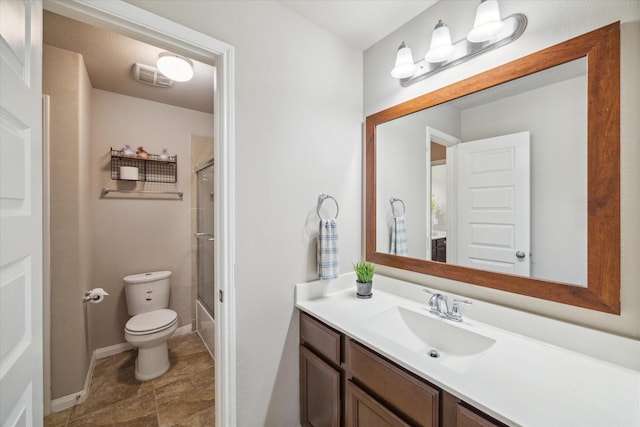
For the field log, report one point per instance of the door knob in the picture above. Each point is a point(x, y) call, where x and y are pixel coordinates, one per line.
point(520, 254)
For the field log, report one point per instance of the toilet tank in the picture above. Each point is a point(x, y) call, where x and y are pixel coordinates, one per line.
point(147, 291)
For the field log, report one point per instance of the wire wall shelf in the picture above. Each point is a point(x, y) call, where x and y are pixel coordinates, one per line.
point(153, 169)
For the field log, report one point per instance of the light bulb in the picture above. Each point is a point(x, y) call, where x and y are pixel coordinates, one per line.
point(441, 48)
point(404, 67)
point(175, 67)
point(487, 24)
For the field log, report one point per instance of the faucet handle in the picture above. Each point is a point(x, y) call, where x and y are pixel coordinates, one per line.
point(455, 314)
point(437, 303)
point(434, 295)
point(433, 300)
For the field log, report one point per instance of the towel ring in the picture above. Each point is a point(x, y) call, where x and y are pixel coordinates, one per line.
point(321, 198)
point(392, 201)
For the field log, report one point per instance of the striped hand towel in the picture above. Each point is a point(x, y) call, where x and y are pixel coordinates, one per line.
point(327, 249)
point(399, 237)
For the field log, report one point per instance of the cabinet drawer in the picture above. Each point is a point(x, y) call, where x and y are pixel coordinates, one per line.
point(413, 399)
point(364, 411)
point(321, 338)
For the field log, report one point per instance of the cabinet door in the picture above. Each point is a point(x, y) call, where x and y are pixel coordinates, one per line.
point(456, 413)
point(319, 392)
point(364, 411)
point(468, 418)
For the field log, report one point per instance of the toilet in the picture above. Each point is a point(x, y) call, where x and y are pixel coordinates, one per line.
point(152, 323)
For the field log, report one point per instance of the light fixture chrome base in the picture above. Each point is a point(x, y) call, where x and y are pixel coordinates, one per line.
point(464, 50)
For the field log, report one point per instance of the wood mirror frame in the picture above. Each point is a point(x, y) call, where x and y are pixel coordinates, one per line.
point(602, 50)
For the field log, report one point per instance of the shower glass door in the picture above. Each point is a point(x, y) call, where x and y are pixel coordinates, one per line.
point(206, 288)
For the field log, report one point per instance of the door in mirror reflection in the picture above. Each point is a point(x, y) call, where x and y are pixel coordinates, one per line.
point(493, 181)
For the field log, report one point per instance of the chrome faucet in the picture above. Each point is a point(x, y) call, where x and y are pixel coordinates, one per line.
point(438, 305)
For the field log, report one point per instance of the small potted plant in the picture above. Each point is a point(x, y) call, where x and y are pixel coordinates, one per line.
point(364, 272)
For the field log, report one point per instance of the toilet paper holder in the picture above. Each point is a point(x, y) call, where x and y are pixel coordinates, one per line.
point(94, 295)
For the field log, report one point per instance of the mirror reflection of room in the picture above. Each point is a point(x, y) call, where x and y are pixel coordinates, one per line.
point(480, 193)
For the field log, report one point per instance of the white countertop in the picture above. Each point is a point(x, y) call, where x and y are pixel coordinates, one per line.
point(520, 380)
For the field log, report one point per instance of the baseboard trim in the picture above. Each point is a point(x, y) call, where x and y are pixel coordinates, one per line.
point(101, 353)
point(183, 330)
point(71, 400)
point(66, 402)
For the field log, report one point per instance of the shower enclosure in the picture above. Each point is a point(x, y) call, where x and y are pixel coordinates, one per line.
point(205, 313)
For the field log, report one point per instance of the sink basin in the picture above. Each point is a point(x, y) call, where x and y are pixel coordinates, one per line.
point(434, 338)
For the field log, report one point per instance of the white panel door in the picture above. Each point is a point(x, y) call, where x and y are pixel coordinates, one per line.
point(21, 213)
point(493, 204)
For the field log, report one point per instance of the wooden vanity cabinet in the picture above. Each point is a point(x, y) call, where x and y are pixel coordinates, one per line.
point(344, 383)
point(321, 374)
point(439, 249)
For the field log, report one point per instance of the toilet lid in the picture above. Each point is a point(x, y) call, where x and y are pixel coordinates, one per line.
point(151, 322)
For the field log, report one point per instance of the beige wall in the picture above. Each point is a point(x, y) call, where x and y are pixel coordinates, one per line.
point(65, 79)
point(136, 233)
point(549, 23)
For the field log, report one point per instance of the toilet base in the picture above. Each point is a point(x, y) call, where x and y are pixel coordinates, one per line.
point(152, 362)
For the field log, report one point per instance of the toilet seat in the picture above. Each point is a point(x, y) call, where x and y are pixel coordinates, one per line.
point(151, 322)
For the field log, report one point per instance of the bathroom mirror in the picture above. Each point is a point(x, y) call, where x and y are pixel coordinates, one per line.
point(466, 202)
point(526, 203)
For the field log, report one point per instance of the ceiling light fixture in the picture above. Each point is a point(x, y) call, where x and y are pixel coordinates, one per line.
point(489, 32)
point(175, 67)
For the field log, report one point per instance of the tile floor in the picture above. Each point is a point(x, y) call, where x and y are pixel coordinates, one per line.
point(184, 396)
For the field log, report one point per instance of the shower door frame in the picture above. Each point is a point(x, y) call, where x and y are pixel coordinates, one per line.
point(129, 20)
point(201, 167)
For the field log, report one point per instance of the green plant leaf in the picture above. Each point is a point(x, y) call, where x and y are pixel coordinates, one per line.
point(364, 271)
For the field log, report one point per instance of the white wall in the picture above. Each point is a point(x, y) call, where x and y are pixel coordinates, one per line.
point(549, 22)
point(135, 233)
point(556, 117)
point(298, 133)
point(402, 161)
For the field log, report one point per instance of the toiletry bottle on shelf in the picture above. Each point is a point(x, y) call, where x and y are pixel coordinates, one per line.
point(127, 151)
point(164, 155)
point(142, 154)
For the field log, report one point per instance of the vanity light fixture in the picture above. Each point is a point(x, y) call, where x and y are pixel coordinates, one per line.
point(175, 67)
point(489, 32)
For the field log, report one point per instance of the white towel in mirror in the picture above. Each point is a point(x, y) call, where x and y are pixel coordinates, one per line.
point(399, 237)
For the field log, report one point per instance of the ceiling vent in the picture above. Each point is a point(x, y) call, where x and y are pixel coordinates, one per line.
point(151, 76)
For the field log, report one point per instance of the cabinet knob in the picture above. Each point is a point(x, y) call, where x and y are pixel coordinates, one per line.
point(520, 254)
